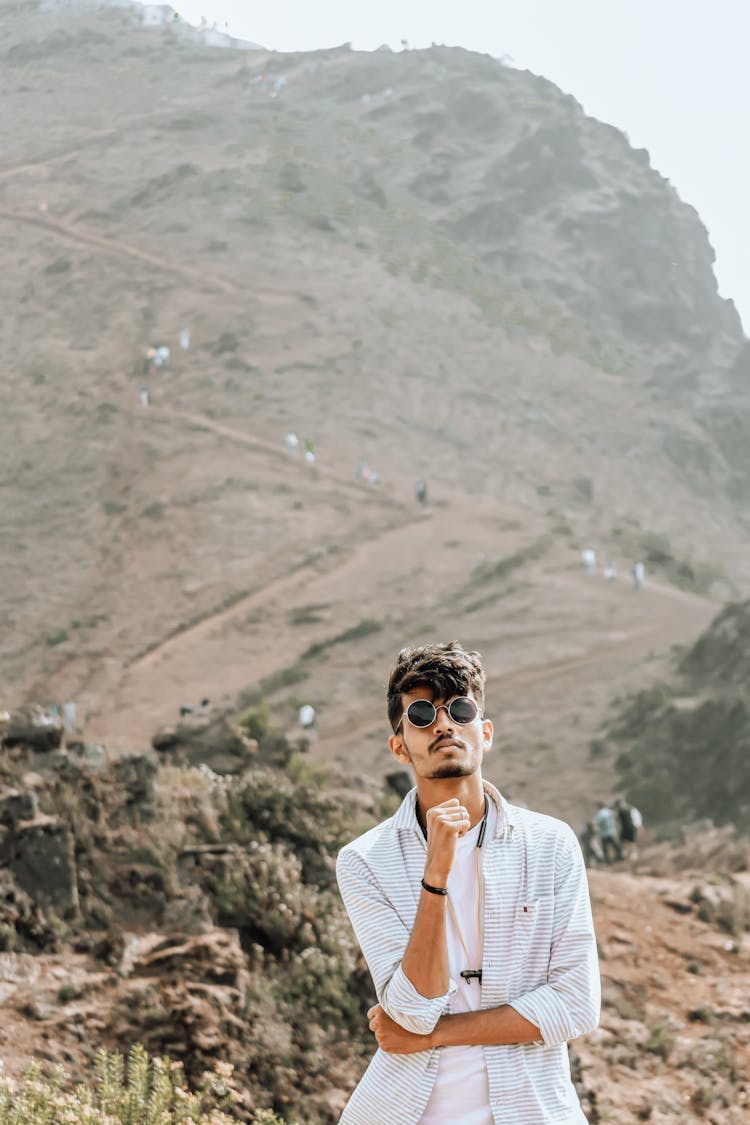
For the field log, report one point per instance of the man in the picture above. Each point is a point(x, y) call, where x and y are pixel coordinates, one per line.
point(610, 841)
point(474, 918)
point(628, 821)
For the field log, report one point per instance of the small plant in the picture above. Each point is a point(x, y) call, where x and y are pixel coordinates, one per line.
point(57, 638)
point(254, 722)
point(152, 1093)
point(661, 1040)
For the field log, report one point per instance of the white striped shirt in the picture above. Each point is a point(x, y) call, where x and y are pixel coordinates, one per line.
point(539, 955)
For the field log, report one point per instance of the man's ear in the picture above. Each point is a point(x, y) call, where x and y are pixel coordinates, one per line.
point(487, 730)
point(398, 749)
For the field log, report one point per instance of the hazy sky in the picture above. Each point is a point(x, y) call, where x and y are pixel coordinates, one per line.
point(673, 74)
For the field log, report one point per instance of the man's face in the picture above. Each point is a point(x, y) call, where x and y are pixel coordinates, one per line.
point(444, 749)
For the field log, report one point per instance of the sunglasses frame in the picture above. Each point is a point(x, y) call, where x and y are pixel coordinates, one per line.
point(440, 707)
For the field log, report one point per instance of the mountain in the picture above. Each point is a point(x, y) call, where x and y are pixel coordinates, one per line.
point(428, 262)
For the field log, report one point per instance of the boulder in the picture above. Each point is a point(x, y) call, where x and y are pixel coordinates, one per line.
point(41, 856)
point(33, 728)
point(203, 739)
point(17, 806)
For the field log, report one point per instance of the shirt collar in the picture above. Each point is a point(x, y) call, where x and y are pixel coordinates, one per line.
point(405, 818)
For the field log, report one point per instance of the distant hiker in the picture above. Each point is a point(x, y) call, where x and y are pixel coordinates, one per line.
point(148, 360)
point(609, 571)
point(639, 573)
point(590, 844)
point(610, 841)
point(307, 719)
point(306, 716)
point(292, 443)
point(161, 359)
point(309, 454)
point(184, 338)
point(362, 472)
point(189, 709)
point(629, 820)
point(420, 491)
point(144, 396)
point(69, 717)
point(588, 557)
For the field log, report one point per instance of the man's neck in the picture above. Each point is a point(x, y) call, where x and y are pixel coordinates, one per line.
point(468, 790)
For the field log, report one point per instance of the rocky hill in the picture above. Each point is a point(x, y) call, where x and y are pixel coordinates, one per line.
point(197, 914)
point(683, 743)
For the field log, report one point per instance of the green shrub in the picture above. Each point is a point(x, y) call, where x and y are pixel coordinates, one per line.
point(255, 721)
point(153, 1093)
point(661, 1040)
point(58, 638)
point(266, 805)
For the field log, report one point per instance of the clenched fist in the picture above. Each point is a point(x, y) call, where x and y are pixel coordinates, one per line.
point(445, 824)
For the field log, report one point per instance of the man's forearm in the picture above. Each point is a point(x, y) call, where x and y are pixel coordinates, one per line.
point(425, 959)
point(487, 1027)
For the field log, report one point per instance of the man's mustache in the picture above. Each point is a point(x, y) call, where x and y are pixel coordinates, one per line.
point(442, 739)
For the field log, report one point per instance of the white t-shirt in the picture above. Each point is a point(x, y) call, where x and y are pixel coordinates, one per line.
point(461, 1092)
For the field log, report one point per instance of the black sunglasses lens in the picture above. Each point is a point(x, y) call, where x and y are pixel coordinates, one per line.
point(463, 710)
point(421, 713)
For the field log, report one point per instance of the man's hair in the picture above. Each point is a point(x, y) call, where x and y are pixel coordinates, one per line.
point(446, 669)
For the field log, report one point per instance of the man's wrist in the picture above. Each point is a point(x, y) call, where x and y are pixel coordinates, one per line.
point(433, 889)
point(435, 1037)
point(436, 878)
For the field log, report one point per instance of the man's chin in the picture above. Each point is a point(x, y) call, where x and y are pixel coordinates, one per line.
point(451, 769)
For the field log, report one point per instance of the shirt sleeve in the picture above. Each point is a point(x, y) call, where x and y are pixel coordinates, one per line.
point(383, 938)
point(568, 1004)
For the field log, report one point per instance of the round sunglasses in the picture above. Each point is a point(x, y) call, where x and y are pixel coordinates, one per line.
point(422, 713)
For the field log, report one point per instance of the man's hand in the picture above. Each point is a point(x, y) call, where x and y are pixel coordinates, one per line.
point(393, 1038)
point(445, 824)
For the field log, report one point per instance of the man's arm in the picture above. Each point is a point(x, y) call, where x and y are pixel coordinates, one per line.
point(484, 1028)
point(565, 1006)
point(409, 970)
point(425, 959)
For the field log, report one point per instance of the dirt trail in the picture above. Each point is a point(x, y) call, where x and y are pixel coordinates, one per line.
point(548, 710)
point(53, 157)
point(199, 278)
point(319, 470)
point(221, 654)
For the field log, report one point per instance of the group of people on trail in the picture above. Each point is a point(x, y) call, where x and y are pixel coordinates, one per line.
point(156, 359)
point(364, 473)
point(590, 565)
point(293, 447)
point(612, 834)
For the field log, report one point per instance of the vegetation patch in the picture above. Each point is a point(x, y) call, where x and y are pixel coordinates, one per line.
point(364, 628)
point(491, 572)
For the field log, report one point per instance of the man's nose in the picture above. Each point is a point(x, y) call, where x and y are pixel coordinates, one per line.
point(443, 720)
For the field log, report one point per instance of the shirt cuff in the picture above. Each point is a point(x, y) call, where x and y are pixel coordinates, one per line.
point(411, 1010)
point(544, 1008)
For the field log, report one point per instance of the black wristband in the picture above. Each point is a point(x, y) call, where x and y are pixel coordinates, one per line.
point(435, 890)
